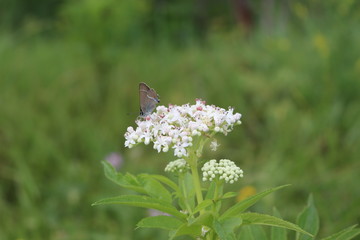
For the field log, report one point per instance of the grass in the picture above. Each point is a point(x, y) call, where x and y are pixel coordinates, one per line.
point(299, 96)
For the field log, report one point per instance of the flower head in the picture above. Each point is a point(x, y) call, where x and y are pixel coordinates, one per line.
point(179, 166)
point(176, 126)
point(224, 170)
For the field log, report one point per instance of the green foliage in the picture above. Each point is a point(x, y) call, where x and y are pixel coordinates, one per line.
point(142, 201)
point(348, 233)
point(225, 226)
point(162, 222)
point(261, 219)
point(277, 233)
point(192, 230)
point(160, 199)
point(252, 232)
point(308, 219)
point(245, 204)
point(93, 22)
point(296, 87)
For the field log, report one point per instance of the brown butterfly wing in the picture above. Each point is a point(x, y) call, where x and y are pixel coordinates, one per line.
point(148, 99)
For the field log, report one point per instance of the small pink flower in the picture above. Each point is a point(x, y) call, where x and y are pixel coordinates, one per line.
point(115, 159)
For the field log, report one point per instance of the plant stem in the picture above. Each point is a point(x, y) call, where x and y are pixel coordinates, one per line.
point(218, 192)
point(184, 193)
point(196, 180)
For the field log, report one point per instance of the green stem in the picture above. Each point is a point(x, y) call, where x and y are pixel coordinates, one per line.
point(193, 162)
point(196, 180)
point(202, 143)
point(210, 235)
point(217, 192)
point(184, 193)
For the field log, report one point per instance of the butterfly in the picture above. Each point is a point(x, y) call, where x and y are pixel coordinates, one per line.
point(148, 99)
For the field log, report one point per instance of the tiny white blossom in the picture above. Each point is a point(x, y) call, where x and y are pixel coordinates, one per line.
point(179, 165)
point(214, 145)
point(184, 211)
point(224, 170)
point(176, 126)
point(204, 230)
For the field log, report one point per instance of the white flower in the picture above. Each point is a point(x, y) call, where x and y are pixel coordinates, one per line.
point(225, 169)
point(204, 230)
point(179, 165)
point(214, 145)
point(176, 126)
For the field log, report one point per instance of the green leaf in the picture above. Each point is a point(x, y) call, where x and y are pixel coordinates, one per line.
point(131, 179)
point(248, 202)
point(166, 181)
point(211, 190)
point(346, 234)
point(221, 231)
point(204, 219)
point(181, 200)
point(252, 232)
point(143, 201)
point(163, 222)
point(350, 235)
point(230, 224)
point(262, 219)
point(308, 220)
point(202, 205)
point(189, 194)
point(128, 181)
point(229, 195)
point(210, 194)
point(154, 188)
point(192, 230)
point(276, 232)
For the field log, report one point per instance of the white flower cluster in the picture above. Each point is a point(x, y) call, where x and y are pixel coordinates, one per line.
point(179, 165)
point(225, 169)
point(175, 126)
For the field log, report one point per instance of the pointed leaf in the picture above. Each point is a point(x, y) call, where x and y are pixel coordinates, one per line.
point(192, 230)
point(308, 220)
point(346, 234)
point(211, 191)
point(248, 202)
point(276, 232)
point(221, 231)
point(262, 219)
point(154, 188)
point(230, 224)
point(128, 181)
point(163, 222)
point(143, 201)
point(166, 181)
point(229, 195)
point(350, 234)
point(252, 232)
point(204, 219)
point(181, 200)
point(189, 191)
point(202, 205)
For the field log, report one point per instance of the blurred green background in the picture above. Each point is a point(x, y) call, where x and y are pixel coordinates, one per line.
point(69, 74)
